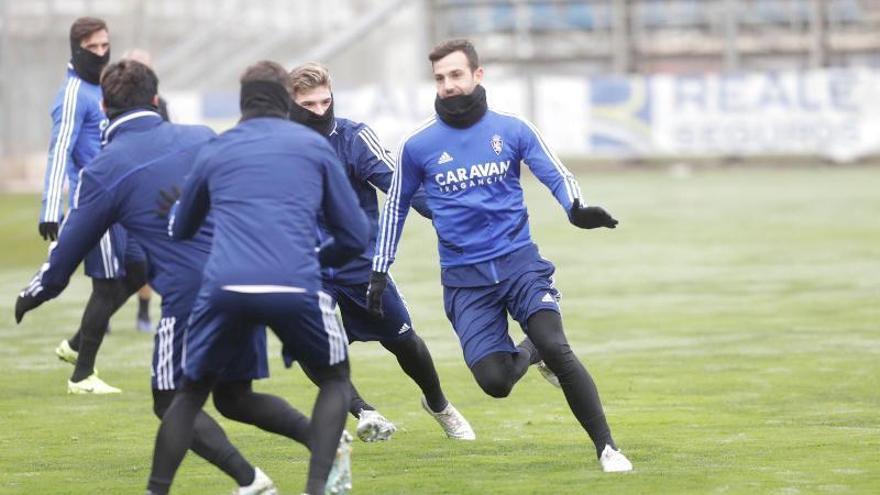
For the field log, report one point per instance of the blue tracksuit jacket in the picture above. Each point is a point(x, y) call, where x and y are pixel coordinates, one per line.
point(368, 167)
point(472, 181)
point(121, 186)
point(265, 181)
point(77, 122)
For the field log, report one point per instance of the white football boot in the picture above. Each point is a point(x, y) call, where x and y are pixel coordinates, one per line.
point(339, 479)
point(613, 461)
point(262, 485)
point(91, 385)
point(66, 353)
point(373, 427)
point(454, 424)
point(548, 374)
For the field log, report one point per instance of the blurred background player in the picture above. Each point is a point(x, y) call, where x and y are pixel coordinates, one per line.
point(143, 323)
point(77, 122)
point(144, 57)
point(369, 167)
point(116, 187)
point(468, 160)
point(263, 268)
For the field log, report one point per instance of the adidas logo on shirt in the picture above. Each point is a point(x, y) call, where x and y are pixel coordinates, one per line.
point(444, 158)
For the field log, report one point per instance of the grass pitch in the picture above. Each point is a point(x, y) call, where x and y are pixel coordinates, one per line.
point(732, 323)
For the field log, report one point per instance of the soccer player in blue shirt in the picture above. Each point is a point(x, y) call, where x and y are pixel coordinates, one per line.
point(369, 167)
point(116, 267)
point(468, 158)
point(143, 156)
point(264, 183)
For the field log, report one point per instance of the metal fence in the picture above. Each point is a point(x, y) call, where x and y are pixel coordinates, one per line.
point(197, 45)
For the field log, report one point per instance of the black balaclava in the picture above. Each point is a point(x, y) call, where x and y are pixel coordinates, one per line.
point(321, 123)
point(462, 111)
point(87, 65)
point(264, 99)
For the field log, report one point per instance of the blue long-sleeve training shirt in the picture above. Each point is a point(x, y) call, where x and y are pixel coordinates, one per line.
point(265, 181)
point(77, 122)
point(368, 166)
point(472, 181)
point(143, 155)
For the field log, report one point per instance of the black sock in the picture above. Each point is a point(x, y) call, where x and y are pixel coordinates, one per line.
point(328, 419)
point(357, 403)
point(498, 372)
point(210, 442)
point(545, 330)
point(108, 295)
point(95, 317)
point(526, 346)
point(415, 360)
point(75, 340)
point(176, 433)
point(143, 308)
point(238, 401)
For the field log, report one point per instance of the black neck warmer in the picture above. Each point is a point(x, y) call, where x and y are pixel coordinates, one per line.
point(321, 123)
point(462, 111)
point(87, 65)
point(264, 99)
point(113, 112)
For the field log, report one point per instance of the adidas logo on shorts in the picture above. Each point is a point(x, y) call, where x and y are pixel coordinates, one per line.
point(548, 298)
point(403, 329)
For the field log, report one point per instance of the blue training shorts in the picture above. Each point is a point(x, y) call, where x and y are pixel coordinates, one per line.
point(223, 322)
point(479, 314)
point(115, 250)
point(359, 324)
point(169, 353)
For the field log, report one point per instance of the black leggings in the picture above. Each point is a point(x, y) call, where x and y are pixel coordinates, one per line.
point(108, 295)
point(176, 432)
point(415, 360)
point(238, 401)
point(209, 441)
point(498, 372)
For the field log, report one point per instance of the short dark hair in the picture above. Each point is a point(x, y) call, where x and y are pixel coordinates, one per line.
point(265, 70)
point(128, 84)
point(457, 45)
point(84, 27)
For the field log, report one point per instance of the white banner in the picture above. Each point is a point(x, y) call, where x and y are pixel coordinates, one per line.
point(831, 113)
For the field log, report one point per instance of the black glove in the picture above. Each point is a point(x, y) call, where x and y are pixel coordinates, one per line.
point(378, 282)
point(49, 230)
point(590, 217)
point(23, 304)
point(166, 201)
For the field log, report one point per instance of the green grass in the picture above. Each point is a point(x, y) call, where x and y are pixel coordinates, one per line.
point(732, 323)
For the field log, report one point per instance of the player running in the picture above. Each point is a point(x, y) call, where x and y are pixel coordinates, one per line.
point(468, 159)
point(369, 167)
point(117, 267)
point(143, 156)
point(263, 183)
